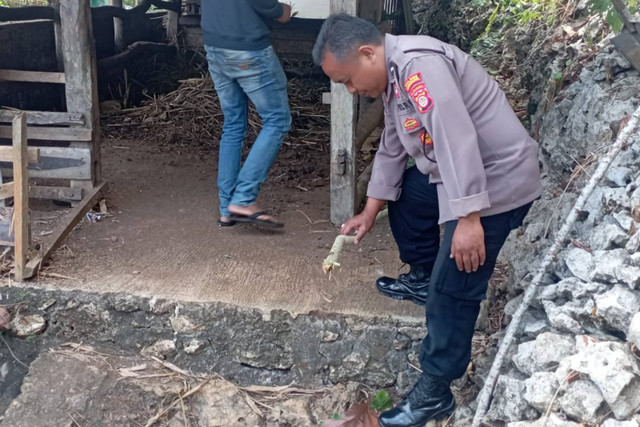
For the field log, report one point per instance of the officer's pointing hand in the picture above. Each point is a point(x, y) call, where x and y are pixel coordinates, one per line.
point(361, 223)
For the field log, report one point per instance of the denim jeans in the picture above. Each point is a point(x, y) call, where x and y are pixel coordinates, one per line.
point(240, 76)
point(453, 301)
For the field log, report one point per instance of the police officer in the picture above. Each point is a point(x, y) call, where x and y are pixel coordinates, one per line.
point(476, 171)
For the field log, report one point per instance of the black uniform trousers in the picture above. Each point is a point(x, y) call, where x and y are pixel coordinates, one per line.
point(454, 297)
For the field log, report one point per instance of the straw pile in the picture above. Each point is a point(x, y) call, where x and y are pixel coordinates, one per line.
point(192, 114)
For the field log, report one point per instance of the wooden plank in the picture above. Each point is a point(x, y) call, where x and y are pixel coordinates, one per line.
point(55, 193)
point(52, 133)
point(172, 27)
point(70, 220)
point(44, 117)
point(81, 88)
point(407, 9)
point(118, 29)
point(31, 76)
point(21, 196)
point(60, 162)
point(6, 190)
point(28, 13)
point(371, 10)
point(6, 154)
point(343, 159)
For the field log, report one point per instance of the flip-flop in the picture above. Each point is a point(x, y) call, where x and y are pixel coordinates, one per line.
point(253, 219)
point(222, 223)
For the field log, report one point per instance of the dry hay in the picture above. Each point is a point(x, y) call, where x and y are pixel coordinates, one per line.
point(191, 114)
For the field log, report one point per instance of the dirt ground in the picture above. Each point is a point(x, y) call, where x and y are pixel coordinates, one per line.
point(160, 236)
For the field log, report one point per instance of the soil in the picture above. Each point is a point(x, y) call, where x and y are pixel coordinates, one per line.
point(160, 236)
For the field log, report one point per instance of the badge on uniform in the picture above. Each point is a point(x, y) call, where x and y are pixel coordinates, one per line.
point(426, 138)
point(418, 91)
point(410, 124)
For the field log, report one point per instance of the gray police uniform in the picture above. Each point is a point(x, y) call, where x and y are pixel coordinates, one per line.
point(472, 154)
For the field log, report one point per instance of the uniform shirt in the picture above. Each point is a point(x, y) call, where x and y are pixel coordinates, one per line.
point(444, 110)
point(238, 24)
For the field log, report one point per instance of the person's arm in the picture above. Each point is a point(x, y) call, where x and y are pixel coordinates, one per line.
point(386, 180)
point(270, 9)
point(432, 83)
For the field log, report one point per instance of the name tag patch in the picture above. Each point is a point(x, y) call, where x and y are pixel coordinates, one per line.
point(411, 124)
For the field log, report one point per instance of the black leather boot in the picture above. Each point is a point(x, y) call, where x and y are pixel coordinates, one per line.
point(412, 285)
point(430, 399)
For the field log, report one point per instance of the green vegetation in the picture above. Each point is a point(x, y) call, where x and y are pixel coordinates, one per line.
point(605, 9)
point(381, 401)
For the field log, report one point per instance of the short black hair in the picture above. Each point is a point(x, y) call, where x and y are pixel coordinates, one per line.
point(341, 34)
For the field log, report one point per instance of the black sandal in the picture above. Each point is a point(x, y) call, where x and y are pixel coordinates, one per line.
point(222, 223)
point(253, 219)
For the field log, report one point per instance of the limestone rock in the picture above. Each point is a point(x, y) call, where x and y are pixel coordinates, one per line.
point(607, 236)
point(579, 262)
point(509, 404)
point(220, 404)
point(24, 326)
point(551, 348)
point(617, 306)
point(553, 421)
point(612, 422)
point(161, 349)
point(615, 266)
point(611, 367)
point(540, 389)
point(633, 334)
point(583, 400)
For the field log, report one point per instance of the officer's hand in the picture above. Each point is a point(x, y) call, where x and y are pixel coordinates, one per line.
point(467, 245)
point(286, 13)
point(361, 223)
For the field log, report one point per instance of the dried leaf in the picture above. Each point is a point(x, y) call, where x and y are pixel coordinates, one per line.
point(5, 319)
point(359, 415)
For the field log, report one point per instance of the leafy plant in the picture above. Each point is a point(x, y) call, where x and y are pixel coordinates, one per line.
point(381, 401)
point(605, 9)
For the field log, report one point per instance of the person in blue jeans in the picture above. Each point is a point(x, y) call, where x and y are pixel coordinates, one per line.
point(244, 66)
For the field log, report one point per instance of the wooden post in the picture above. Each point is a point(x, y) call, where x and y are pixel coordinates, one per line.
point(118, 29)
point(172, 27)
point(343, 159)
point(21, 196)
point(81, 87)
point(408, 16)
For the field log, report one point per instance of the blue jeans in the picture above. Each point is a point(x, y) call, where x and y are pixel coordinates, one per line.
point(240, 76)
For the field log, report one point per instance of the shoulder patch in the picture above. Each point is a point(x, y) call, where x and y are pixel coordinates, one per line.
point(426, 138)
point(422, 98)
point(411, 81)
point(410, 124)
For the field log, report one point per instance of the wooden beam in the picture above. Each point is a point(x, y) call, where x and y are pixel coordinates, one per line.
point(31, 76)
point(81, 88)
point(172, 27)
point(407, 9)
point(21, 196)
point(70, 220)
point(343, 159)
point(44, 117)
point(60, 162)
point(6, 190)
point(55, 193)
point(118, 29)
point(7, 154)
point(52, 133)
point(29, 13)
